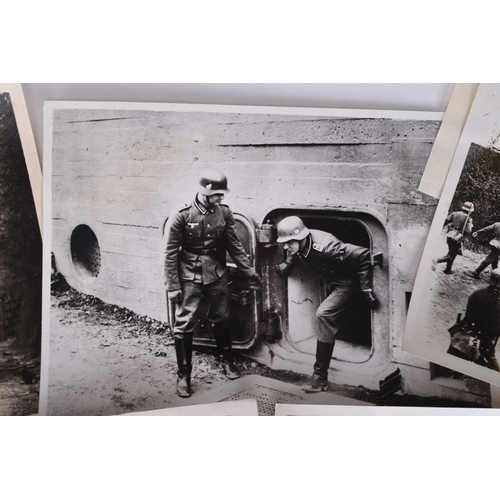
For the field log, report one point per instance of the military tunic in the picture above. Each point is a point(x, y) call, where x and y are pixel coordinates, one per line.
point(345, 268)
point(458, 224)
point(197, 239)
point(459, 221)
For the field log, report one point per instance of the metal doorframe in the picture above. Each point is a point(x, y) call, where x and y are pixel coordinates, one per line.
point(377, 231)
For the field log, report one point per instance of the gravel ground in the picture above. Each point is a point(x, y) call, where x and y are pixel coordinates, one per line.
point(106, 360)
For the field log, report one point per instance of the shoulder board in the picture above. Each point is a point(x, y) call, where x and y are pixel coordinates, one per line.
point(318, 247)
point(225, 204)
point(183, 207)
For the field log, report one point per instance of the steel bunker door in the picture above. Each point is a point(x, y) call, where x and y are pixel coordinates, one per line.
point(243, 302)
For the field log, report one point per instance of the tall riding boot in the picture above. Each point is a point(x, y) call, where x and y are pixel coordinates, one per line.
point(319, 380)
point(448, 270)
point(480, 269)
point(222, 334)
point(184, 353)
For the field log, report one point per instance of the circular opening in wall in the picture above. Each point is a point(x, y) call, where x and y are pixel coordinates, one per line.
point(85, 251)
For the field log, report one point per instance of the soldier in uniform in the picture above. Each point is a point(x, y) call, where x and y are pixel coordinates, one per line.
point(458, 223)
point(197, 237)
point(346, 268)
point(482, 323)
point(492, 257)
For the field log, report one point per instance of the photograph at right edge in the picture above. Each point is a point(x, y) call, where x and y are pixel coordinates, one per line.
point(454, 315)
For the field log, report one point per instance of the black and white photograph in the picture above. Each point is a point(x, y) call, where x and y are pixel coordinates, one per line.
point(20, 262)
point(198, 254)
point(455, 310)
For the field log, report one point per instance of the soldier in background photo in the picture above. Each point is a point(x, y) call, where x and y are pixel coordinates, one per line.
point(346, 269)
point(494, 244)
point(458, 223)
point(475, 337)
point(198, 235)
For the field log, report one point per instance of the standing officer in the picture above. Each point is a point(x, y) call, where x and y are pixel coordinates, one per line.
point(492, 257)
point(346, 268)
point(482, 322)
point(458, 224)
point(197, 237)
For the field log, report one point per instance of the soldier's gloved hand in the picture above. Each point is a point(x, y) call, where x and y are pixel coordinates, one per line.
point(175, 296)
point(370, 298)
point(254, 282)
point(283, 269)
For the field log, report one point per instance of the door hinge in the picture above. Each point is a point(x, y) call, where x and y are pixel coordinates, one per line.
point(267, 234)
point(270, 327)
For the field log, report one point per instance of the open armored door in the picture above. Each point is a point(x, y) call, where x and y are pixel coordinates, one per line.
point(243, 303)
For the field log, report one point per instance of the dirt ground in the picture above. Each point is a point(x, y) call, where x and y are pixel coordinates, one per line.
point(19, 381)
point(106, 360)
point(101, 364)
point(451, 292)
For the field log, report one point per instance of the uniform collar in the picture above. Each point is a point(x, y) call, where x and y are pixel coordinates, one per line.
point(308, 246)
point(202, 208)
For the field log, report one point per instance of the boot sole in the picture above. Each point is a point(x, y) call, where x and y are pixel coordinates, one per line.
point(183, 395)
point(314, 391)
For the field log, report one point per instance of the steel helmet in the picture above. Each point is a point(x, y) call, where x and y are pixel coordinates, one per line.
point(495, 278)
point(213, 182)
point(468, 207)
point(291, 228)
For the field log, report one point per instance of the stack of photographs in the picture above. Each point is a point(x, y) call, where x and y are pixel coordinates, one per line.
point(201, 254)
point(116, 173)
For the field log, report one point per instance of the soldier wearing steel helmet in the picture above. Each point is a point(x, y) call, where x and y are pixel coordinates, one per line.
point(458, 224)
point(198, 234)
point(346, 269)
point(492, 258)
point(482, 324)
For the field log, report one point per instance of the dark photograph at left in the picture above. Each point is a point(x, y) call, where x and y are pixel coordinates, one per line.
point(20, 273)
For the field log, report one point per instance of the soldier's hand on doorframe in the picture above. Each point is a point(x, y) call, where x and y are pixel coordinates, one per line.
point(283, 269)
point(254, 282)
point(370, 298)
point(175, 296)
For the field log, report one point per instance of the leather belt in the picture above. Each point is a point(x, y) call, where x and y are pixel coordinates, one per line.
point(203, 251)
